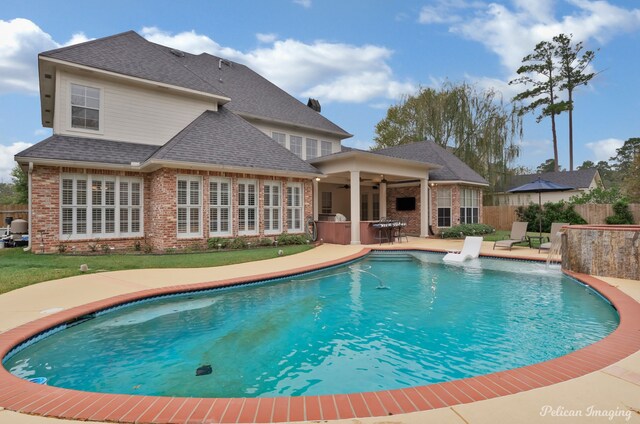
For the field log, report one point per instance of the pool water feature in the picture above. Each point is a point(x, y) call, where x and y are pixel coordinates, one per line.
point(331, 331)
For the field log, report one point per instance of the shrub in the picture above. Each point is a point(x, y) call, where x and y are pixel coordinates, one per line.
point(213, 243)
point(288, 239)
point(265, 242)
point(463, 230)
point(621, 214)
point(137, 246)
point(238, 243)
point(551, 212)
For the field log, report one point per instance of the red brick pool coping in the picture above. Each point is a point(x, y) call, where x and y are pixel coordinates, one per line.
point(22, 396)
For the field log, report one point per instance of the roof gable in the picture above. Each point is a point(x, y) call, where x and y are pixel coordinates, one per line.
point(130, 54)
point(223, 138)
point(581, 178)
point(453, 169)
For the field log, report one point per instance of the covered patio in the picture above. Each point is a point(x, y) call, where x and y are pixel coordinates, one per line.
point(364, 187)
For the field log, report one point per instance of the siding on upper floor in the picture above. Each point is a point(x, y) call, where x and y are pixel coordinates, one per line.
point(129, 112)
point(304, 133)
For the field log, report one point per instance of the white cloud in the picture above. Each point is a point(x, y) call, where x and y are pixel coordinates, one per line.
point(328, 71)
point(6, 158)
point(513, 33)
point(604, 149)
point(266, 38)
point(446, 11)
point(304, 3)
point(20, 42)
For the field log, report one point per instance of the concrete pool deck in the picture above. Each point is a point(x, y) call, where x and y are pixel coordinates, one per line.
point(609, 394)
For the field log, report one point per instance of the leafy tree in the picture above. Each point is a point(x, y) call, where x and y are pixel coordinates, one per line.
point(474, 123)
point(631, 180)
point(547, 166)
point(587, 164)
point(20, 184)
point(539, 72)
point(551, 212)
point(598, 195)
point(572, 67)
point(7, 194)
point(625, 155)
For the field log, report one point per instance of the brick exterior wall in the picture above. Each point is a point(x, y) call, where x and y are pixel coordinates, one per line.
point(413, 217)
point(159, 208)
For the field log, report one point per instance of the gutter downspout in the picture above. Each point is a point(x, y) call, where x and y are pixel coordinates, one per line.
point(29, 172)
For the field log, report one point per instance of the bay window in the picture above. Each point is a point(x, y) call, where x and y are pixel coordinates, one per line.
point(219, 206)
point(294, 207)
point(272, 207)
point(247, 207)
point(189, 206)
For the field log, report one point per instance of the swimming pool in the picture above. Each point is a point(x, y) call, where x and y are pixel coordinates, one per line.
point(333, 331)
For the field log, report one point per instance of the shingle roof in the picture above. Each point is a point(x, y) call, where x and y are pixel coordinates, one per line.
point(81, 149)
point(453, 169)
point(130, 54)
point(251, 94)
point(223, 138)
point(581, 178)
point(214, 138)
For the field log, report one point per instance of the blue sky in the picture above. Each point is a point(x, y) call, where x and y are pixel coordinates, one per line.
point(357, 57)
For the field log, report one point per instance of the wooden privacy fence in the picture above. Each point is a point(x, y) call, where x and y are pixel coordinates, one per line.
point(16, 211)
point(501, 217)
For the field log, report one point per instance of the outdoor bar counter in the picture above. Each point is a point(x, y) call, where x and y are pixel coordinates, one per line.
point(340, 232)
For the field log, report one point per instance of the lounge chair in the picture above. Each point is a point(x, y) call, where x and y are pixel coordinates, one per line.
point(553, 236)
point(470, 250)
point(518, 235)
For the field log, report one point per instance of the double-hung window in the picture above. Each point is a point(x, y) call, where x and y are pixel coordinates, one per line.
point(326, 203)
point(219, 206)
point(312, 148)
point(295, 205)
point(97, 206)
point(375, 206)
point(444, 207)
point(272, 207)
point(325, 148)
point(247, 207)
point(280, 138)
point(85, 107)
point(295, 144)
point(189, 206)
point(364, 207)
point(469, 206)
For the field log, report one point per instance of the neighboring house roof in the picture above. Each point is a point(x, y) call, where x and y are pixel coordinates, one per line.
point(223, 138)
point(453, 169)
point(254, 96)
point(82, 149)
point(579, 179)
point(130, 54)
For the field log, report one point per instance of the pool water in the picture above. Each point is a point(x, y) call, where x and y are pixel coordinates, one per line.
point(391, 320)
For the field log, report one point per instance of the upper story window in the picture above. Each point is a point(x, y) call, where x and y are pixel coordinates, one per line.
point(280, 138)
point(325, 148)
point(312, 148)
point(85, 107)
point(295, 143)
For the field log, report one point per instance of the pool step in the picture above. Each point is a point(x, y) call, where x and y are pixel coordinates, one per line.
point(390, 257)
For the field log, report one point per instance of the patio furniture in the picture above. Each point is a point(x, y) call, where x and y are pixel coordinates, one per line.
point(385, 230)
point(470, 250)
point(554, 236)
point(518, 235)
point(399, 230)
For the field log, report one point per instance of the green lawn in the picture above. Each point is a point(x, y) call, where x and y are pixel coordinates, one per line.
point(20, 269)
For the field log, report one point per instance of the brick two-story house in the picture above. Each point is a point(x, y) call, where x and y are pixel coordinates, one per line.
point(155, 145)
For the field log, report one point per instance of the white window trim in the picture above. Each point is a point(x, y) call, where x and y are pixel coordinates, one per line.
point(302, 146)
point(189, 206)
point(89, 206)
point(307, 143)
point(290, 209)
point(230, 206)
point(277, 207)
point(450, 207)
point(247, 208)
point(70, 126)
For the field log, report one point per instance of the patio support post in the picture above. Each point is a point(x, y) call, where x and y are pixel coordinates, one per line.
point(316, 197)
point(383, 199)
point(424, 207)
point(355, 207)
